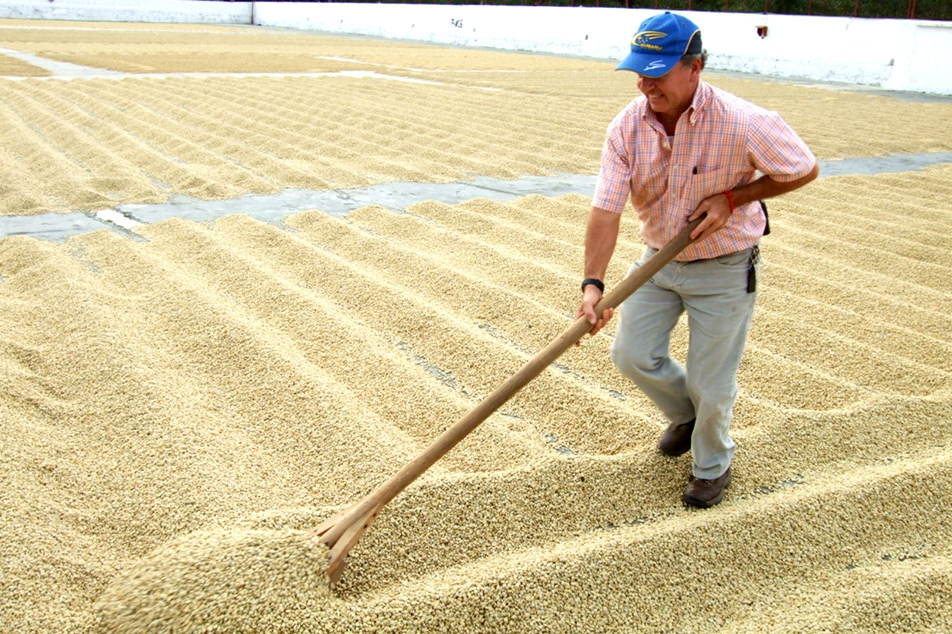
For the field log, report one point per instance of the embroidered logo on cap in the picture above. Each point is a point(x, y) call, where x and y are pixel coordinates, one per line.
point(658, 63)
point(643, 39)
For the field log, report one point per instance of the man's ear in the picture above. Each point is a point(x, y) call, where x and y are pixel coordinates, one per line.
point(696, 66)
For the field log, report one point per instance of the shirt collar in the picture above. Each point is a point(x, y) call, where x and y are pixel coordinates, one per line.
point(701, 98)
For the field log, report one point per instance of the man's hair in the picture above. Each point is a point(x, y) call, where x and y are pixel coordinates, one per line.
point(695, 51)
point(687, 60)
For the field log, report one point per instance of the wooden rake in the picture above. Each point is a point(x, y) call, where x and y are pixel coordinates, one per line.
point(341, 532)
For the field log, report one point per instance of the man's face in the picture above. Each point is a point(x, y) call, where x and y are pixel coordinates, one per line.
point(671, 94)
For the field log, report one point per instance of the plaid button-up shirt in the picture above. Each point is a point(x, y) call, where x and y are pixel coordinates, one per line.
point(719, 144)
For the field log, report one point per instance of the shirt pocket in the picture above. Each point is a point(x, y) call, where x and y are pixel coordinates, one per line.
point(706, 184)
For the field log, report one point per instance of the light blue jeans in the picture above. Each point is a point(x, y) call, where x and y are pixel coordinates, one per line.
point(714, 294)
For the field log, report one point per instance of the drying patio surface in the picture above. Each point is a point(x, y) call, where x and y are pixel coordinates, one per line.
point(94, 143)
point(181, 403)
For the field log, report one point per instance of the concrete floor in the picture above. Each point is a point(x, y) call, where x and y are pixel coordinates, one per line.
point(396, 196)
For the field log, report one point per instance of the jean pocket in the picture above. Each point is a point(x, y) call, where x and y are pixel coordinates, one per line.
point(736, 259)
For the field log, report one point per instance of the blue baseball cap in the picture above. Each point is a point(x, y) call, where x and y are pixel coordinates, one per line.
point(661, 41)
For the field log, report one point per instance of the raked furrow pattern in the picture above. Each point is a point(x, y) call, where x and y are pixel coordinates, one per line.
point(240, 366)
point(181, 402)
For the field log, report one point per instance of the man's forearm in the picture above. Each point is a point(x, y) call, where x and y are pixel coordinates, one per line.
point(600, 238)
point(766, 187)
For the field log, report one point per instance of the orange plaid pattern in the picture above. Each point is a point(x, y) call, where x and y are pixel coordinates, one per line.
point(720, 142)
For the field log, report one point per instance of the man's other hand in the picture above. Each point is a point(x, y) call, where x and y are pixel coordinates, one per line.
point(590, 297)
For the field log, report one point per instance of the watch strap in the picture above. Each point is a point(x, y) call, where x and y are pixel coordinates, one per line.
point(597, 283)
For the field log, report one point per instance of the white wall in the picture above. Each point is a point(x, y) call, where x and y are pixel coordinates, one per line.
point(858, 51)
point(894, 54)
point(573, 31)
point(129, 11)
point(924, 65)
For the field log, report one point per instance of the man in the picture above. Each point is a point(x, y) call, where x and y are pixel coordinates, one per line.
point(683, 150)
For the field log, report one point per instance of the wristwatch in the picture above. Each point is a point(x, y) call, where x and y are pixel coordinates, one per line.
point(597, 283)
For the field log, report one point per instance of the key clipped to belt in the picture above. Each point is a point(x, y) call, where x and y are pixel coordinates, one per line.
point(752, 269)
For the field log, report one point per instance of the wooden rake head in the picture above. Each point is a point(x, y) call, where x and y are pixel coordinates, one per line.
point(340, 533)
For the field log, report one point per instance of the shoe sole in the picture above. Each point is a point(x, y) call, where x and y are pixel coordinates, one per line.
point(702, 504)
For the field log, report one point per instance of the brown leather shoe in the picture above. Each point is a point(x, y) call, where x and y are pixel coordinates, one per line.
point(706, 493)
point(676, 439)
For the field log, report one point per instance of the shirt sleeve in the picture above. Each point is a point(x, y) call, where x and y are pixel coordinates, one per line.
point(776, 150)
point(613, 185)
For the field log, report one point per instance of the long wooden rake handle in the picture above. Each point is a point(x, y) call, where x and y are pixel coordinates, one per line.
point(342, 531)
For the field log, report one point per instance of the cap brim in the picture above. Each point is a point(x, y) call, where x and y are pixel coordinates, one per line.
point(650, 65)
